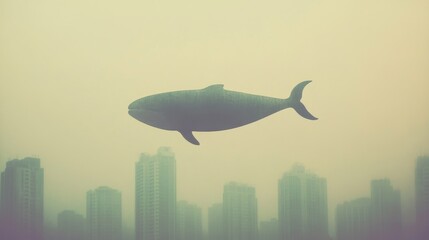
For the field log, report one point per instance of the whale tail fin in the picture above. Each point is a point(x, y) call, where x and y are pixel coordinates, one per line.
point(295, 101)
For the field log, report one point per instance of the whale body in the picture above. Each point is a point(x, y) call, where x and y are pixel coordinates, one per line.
point(211, 109)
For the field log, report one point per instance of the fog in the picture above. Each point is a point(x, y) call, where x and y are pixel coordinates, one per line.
point(69, 69)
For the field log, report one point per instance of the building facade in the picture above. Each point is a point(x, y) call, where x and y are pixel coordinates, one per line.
point(189, 222)
point(240, 212)
point(155, 203)
point(71, 226)
point(386, 220)
point(215, 222)
point(269, 230)
point(302, 206)
point(21, 203)
point(353, 220)
point(104, 214)
point(422, 197)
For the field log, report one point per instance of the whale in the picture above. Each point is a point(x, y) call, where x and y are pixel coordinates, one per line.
point(211, 109)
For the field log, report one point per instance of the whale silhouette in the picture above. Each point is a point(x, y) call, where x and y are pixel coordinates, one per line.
point(211, 109)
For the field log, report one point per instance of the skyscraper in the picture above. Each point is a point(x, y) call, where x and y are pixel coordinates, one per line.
point(189, 222)
point(104, 214)
point(303, 206)
point(269, 230)
point(71, 226)
point(215, 222)
point(155, 209)
point(386, 211)
point(21, 205)
point(353, 220)
point(422, 197)
point(240, 212)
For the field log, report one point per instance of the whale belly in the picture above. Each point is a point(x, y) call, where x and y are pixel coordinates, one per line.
point(155, 119)
point(213, 119)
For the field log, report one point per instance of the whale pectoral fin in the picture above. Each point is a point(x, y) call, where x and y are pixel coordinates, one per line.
point(190, 137)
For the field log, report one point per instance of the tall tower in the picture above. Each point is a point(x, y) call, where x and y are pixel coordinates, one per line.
point(104, 214)
point(303, 206)
point(71, 226)
point(215, 222)
point(156, 196)
point(353, 220)
point(422, 197)
point(189, 222)
point(21, 205)
point(240, 212)
point(385, 211)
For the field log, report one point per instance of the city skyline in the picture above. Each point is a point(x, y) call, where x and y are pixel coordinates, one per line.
point(331, 222)
point(385, 202)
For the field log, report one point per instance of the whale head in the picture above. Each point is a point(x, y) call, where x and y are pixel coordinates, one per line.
point(153, 111)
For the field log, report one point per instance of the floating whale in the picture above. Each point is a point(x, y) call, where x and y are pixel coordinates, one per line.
point(211, 109)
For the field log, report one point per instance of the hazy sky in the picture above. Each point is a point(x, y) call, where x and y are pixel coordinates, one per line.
point(69, 69)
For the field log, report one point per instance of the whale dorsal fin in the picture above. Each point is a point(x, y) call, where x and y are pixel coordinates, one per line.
point(215, 87)
point(190, 137)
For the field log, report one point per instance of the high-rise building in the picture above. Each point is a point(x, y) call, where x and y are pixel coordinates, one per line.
point(21, 203)
point(189, 222)
point(104, 214)
point(302, 206)
point(240, 212)
point(215, 222)
point(269, 230)
point(422, 197)
point(385, 210)
point(353, 220)
point(71, 226)
point(155, 208)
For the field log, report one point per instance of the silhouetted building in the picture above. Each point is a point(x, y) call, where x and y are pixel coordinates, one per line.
point(155, 208)
point(353, 220)
point(189, 222)
point(240, 212)
point(422, 197)
point(71, 226)
point(128, 232)
point(386, 211)
point(269, 230)
point(215, 222)
point(303, 206)
point(21, 205)
point(104, 214)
